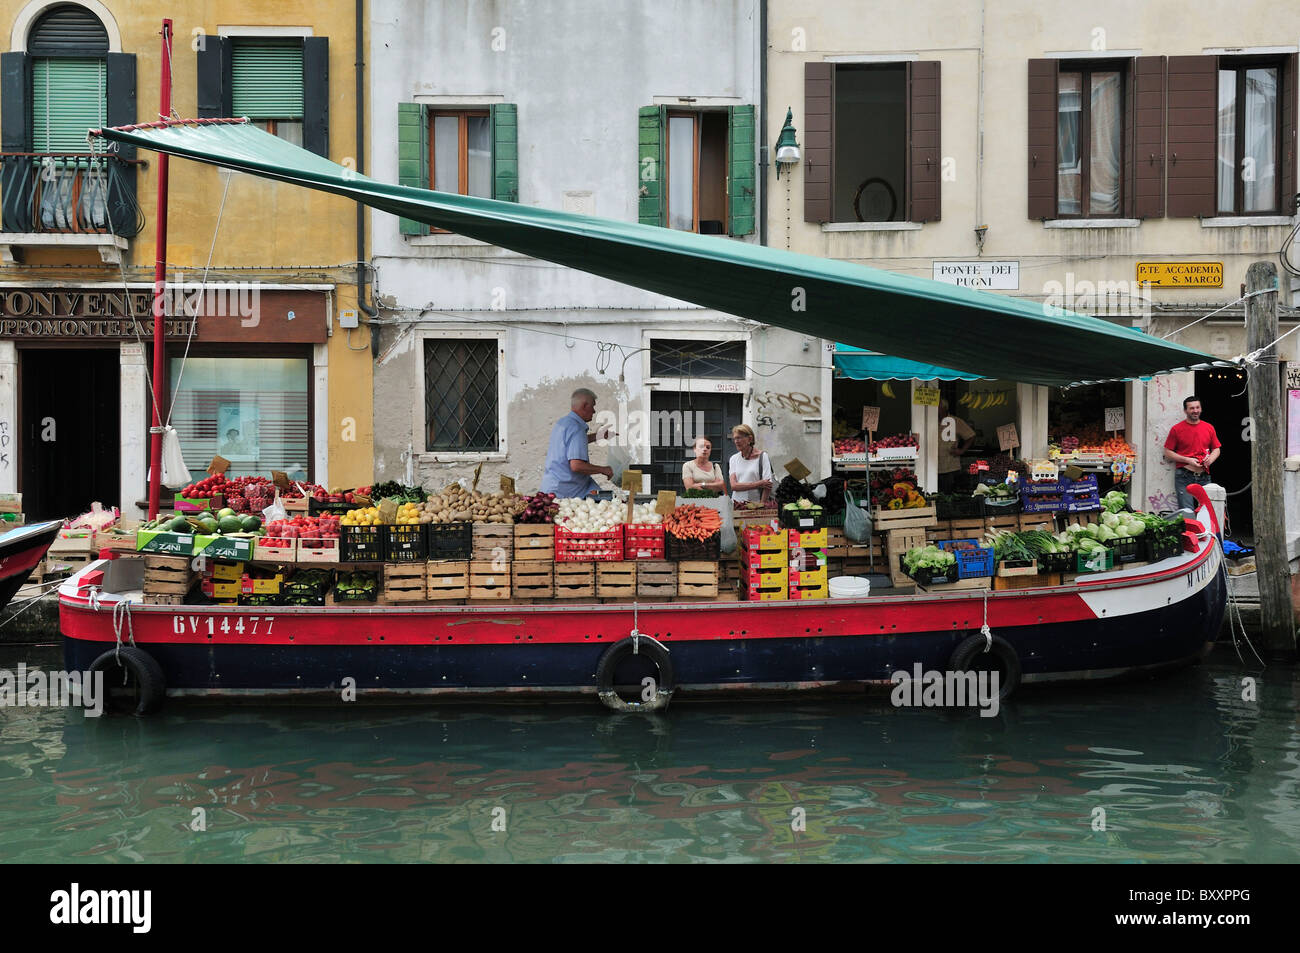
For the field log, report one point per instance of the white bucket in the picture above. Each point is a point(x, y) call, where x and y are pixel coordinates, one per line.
point(850, 587)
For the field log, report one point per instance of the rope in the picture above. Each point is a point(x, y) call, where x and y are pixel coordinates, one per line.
point(1211, 314)
point(636, 632)
point(984, 629)
point(1253, 358)
point(121, 616)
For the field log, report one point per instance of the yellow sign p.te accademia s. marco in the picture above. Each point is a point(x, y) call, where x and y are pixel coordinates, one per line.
point(1181, 274)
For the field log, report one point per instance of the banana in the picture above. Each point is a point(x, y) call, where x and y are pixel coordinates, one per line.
point(887, 389)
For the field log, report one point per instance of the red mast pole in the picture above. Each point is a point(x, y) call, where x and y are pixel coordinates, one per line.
point(160, 280)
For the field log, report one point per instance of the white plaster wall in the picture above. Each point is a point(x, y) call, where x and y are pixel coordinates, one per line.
point(134, 456)
point(8, 417)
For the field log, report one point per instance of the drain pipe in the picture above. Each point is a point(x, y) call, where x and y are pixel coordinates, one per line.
point(762, 121)
point(360, 69)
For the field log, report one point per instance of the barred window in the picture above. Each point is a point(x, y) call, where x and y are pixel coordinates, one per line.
point(460, 395)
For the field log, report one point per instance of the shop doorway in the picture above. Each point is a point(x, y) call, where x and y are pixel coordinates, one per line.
point(709, 415)
point(1225, 405)
point(70, 417)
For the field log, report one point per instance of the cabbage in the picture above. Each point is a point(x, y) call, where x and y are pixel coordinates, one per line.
point(1110, 519)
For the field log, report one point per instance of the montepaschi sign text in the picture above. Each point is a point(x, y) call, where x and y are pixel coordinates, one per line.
point(1181, 274)
point(82, 328)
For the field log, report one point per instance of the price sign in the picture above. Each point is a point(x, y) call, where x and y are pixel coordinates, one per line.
point(665, 502)
point(507, 485)
point(925, 396)
point(631, 481)
point(796, 469)
point(1007, 437)
point(478, 472)
point(219, 464)
point(280, 479)
point(1114, 418)
point(870, 419)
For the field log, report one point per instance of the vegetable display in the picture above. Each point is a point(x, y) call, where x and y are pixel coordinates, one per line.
point(590, 516)
point(645, 513)
point(1114, 501)
point(693, 522)
point(455, 504)
point(539, 508)
point(928, 557)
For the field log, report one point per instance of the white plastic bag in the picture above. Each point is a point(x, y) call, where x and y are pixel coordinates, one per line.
point(620, 458)
point(857, 520)
point(723, 505)
point(275, 511)
point(174, 471)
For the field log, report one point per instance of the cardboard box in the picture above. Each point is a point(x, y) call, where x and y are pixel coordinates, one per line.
point(224, 547)
point(165, 543)
point(228, 572)
point(11, 502)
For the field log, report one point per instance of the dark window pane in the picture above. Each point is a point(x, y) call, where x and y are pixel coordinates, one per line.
point(460, 395)
point(1069, 108)
point(870, 143)
point(1105, 154)
point(672, 358)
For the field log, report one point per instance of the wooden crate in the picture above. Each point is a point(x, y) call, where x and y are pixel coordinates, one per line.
point(446, 579)
point(697, 578)
point(981, 582)
point(168, 575)
point(1027, 582)
point(1043, 521)
point(405, 582)
point(861, 566)
point(275, 554)
point(1001, 522)
point(1006, 571)
point(658, 580)
point(60, 567)
point(534, 542)
point(890, 520)
point(487, 580)
point(837, 544)
point(616, 580)
point(575, 580)
point(492, 540)
point(966, 528)
point(324, 550)
point(531, 579)
point(898, 543)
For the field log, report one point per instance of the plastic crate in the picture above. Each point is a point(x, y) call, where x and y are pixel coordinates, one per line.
point(814, 517)
point(405, 543)
point(960, 507)
point(361, 544)
point(449, 540)
point(573, 547)
point(1125, 548)
point(315, 507)
point(928, 577)
point(1043, 504)
point(690, 549)
point(643, 541)
point(1083, 504)
point(1096, 561)
point(971, 563)
point(1156, 548)
point(302, 598)
point(1056, 562)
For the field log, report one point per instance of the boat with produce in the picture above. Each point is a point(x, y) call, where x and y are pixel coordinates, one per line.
point(21, 551)
point(466, 593)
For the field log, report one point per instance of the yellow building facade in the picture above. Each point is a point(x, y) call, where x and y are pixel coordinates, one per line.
point(268, 360)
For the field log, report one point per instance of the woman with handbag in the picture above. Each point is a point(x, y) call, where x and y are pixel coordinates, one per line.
point(750, 468)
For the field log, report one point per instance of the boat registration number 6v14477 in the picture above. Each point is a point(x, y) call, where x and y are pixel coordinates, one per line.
point(194, 625)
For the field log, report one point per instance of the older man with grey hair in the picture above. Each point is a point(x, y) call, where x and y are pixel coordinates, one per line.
point(568, 470)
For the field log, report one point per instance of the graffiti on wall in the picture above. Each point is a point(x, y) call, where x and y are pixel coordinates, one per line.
point(794, 402)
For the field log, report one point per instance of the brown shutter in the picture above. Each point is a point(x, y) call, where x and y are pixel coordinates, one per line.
point(1288, 138)
point(1193, 112)
point(1148, 137)
point(923, 155)
point(818, 139)
point(1041, 156)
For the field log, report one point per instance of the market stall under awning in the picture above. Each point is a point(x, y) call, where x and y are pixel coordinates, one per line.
point(914, 318)
point(859, 365)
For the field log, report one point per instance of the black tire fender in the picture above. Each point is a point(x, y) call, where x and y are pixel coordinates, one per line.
point(965, 654)
point(141, 666)
point(653, 650)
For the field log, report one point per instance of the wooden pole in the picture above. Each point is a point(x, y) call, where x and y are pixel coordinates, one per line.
point(160, 283)
point(1264, 386)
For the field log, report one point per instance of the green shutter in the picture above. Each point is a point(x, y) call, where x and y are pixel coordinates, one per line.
point(505, 152)
point(412, 157)
point(650, 165)
point(741, 170)
point(266, 79)
point(68, 98)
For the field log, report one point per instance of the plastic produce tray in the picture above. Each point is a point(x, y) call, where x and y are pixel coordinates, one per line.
point(688, 549)
point(971, 563)
point(449, 540)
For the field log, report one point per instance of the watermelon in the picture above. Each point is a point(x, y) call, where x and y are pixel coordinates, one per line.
point(179, 525)
point(229, 524)
point(250, 524)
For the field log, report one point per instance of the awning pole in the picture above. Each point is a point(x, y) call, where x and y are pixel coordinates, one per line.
point(159, 281)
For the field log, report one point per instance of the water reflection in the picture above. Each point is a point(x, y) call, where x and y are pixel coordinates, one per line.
point(1183, 769)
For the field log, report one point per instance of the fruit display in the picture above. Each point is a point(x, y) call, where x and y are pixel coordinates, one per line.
point(364, 516)
point(337, 495)
point(408, 514)
point(890, 486)
point(592, 516)
point(281, 532)
point(848, 445)
point(205, 489)
point(539, 508)
point(455, 504)
point(898, 441)
point(225, 522)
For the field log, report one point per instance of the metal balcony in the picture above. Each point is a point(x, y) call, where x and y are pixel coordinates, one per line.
point(68, 199)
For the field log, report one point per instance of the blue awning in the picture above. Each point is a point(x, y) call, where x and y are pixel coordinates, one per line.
point(862, 365)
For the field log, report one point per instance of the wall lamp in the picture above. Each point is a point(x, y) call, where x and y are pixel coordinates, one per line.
point(787, 147)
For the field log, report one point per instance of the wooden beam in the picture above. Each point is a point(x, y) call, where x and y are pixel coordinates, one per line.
point(1264, 385)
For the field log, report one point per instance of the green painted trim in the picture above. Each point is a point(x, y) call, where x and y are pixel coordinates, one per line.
point(742, 170)
point(505, 152)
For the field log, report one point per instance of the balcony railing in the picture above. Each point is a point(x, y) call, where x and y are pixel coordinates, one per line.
point(72, 193)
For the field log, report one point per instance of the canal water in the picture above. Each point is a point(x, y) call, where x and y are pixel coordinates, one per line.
point(1179, 768)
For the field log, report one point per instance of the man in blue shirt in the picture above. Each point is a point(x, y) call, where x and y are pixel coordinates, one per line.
point(568, 471)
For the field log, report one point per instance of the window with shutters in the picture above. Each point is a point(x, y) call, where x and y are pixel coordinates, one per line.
point(267, 84)
point(462, 397)
point(872, 142)
point(1248, 141)
point(460, 152)
point(1090, 142)
point(697, 171)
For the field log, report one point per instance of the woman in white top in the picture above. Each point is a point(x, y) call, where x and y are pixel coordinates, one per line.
point(751, 470)
point(701, 473)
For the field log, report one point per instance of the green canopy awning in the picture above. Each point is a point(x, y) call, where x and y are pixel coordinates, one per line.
point(913, 318)
point(860, 365)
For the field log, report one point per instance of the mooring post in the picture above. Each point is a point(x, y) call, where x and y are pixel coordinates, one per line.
point(1268, 431)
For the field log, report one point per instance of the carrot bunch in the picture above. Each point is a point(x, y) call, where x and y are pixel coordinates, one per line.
point(693, 522)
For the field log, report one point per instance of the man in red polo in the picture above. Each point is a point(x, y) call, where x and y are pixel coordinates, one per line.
point(1192, 446)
